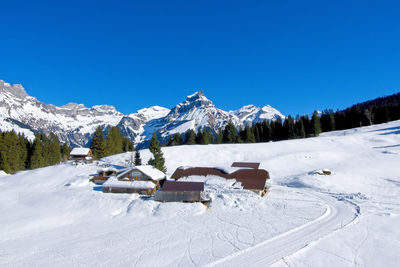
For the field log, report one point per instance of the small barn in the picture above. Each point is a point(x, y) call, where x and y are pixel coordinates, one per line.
point(82, 154)
point(103, 174)
point(175, 191)
point(144, 180)
point(248, 174)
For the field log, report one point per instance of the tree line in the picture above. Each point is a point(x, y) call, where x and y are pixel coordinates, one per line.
point(375, 111)
point(18, 153)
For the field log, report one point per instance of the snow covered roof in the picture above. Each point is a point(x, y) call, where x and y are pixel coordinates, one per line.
point(148, 170)
point(80, 151)
point(114, 182)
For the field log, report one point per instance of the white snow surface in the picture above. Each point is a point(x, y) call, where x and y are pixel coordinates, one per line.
point(151, 172)
point(79, 151)
point(114, 182)
point(54, 217)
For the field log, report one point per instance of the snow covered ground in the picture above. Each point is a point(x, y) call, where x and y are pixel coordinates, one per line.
point(54, 217)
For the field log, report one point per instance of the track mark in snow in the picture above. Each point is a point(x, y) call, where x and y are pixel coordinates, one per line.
point(274, 249)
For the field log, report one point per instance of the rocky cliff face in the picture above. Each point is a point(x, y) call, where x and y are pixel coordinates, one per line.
point(74, 123)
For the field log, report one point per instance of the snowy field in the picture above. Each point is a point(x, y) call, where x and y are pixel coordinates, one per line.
point(54, 217)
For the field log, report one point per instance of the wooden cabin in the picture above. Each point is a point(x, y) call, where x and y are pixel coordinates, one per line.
point(174, 191)
point(103, 174)
point(144, 180)
point(81, 154)
point(248, 174)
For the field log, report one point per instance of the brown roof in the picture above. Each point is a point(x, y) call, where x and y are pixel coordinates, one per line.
point(253, 179)
point(253, 165)
point(183, 186)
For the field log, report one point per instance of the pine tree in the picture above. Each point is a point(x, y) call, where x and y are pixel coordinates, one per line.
point(277, 130)
point(290, 128)
point(190, 137)
point(98, 145)
point(65, 150)
point(301, 131)
point(248, 135)
point(3, 162)
point(54, 149)
point(37, 160)
point(170, 141)
point(266, 132)
point(220, 137)
point(138, 159)
point(126, 145)
point(316, 124)
point(199, 136)
point(177, 139)
point(230, 133)
point(114, 141)
point(158, 161)
point(206, 137)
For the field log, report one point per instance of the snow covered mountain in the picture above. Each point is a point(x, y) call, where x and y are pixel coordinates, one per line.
point(75, 123)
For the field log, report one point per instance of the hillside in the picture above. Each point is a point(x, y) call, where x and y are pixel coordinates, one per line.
point(53, 216)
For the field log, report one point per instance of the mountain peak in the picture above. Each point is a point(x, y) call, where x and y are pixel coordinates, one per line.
point(15, 89)
point(196, 95)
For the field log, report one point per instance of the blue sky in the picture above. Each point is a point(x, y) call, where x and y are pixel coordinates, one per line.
point(297, 56)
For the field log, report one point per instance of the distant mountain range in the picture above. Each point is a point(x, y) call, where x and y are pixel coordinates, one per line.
point(74, 123)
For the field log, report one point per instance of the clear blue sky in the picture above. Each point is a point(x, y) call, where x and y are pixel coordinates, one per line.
point(294, 55)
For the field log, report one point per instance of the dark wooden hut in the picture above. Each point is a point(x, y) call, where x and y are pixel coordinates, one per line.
point(181, 192)
point(81, 154)
point(248, 175)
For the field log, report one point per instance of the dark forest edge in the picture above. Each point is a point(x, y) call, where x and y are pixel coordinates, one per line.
point(18, 153)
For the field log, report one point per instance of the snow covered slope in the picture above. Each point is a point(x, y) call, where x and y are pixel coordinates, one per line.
point(75, 123)
point(53, 216)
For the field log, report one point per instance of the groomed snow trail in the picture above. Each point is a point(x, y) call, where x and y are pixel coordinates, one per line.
point(338, 214)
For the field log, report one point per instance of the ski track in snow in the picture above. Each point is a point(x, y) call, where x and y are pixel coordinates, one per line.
point(278, 247)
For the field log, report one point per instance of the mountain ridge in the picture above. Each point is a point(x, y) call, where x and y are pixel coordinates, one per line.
point(75, 123)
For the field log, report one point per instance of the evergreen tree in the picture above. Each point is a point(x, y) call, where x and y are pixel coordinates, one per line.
point(301, 131)
point(98, 145)
point(316, 124)
point(190, 137)
point(266, 131)
point(37, 160)
point(199, 136)
point(278, 132)
point(158, 160)
point(206, 137)
point(230, 133)
point(65, 150)
point(138, 159)
point(114, 141)
point(220, 137)
point(127, 145)
point(3, 162)
point(248, 135)
point(290, 128)
point(177, 139)
point(170, 141)
point(54, 149)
